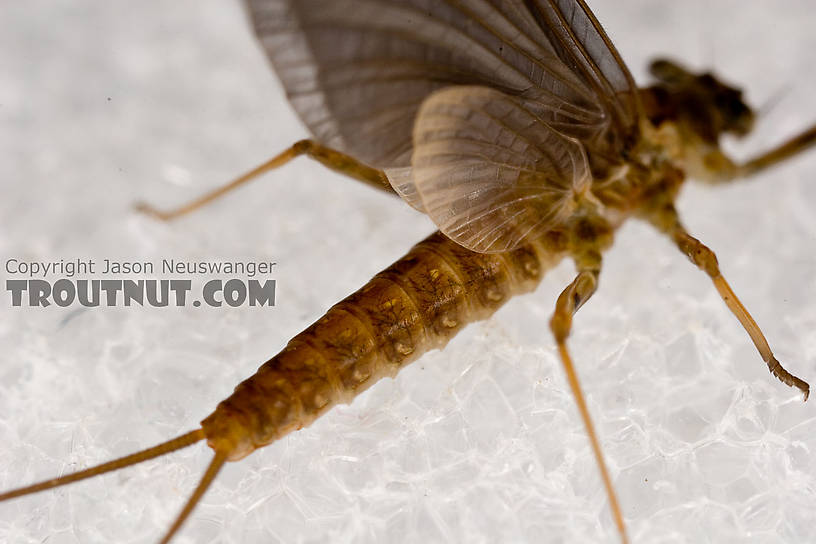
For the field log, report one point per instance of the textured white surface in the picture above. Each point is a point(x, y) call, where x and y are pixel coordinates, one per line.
point(105, 103)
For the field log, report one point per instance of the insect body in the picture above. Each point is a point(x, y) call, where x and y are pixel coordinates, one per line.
point(601, 191)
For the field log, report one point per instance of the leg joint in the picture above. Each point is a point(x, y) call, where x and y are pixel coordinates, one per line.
point(303, 146)
point(699, 254)
point(572, 298)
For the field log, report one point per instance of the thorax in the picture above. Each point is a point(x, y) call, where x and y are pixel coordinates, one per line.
point(649, 176)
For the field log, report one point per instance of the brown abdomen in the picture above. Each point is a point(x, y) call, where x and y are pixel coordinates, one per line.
point(415, 305)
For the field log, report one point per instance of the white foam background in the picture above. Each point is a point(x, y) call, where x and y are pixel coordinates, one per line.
point(105, 103)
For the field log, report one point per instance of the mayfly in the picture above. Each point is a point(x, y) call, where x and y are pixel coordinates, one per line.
point(520, 132)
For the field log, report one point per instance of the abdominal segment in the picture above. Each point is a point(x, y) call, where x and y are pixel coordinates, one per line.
point(417, 304)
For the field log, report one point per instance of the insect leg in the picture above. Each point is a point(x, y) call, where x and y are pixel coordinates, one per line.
point(794, 146)
point(572, 298)
point(705, 259)
point(722, 169)
point(337, 161)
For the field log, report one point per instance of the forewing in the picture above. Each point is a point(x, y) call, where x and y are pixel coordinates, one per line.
point(581, 43)
point(490, 171)
point(356, 71)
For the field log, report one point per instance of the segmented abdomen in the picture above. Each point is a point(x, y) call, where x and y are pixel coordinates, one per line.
point(415, 305)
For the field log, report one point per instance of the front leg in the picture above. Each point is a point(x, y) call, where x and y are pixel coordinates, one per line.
point(717, 167)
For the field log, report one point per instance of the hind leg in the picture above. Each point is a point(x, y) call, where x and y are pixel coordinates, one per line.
point(335, 160)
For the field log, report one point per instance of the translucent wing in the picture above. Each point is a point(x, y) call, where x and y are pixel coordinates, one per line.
point(356, 71)
point(489, 171)
point(581, 43)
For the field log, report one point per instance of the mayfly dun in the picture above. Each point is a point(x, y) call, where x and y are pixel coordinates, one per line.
point(586, 104)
